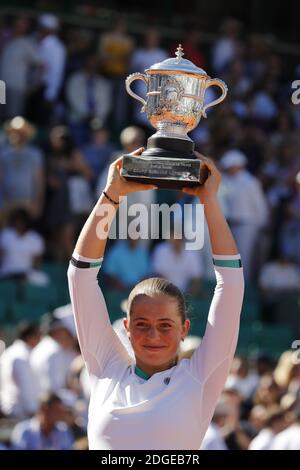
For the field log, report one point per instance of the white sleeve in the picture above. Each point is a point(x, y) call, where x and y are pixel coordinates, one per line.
point(211, 361)
point(98, 341)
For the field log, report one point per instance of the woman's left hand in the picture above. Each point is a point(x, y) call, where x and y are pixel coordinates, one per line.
point(209, 189)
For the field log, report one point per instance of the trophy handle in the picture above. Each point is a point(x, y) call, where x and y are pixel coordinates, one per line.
point(129, 80)
point(220, 84)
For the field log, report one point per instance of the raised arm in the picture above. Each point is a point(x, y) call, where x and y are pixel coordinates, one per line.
point(93, 237)
point(98, 342)
point(212, 360)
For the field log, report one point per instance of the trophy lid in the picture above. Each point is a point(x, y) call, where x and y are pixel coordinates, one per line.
point(177, 64)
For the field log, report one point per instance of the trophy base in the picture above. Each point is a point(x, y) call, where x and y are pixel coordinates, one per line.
point(167, 173)
point(168, 163)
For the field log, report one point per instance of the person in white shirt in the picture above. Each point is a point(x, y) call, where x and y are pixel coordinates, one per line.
point(275, 423)
point(213, 439)
point(53, 55)
point(279, 282)
point(20, 247)
point(153, 402)
point(247, 209)
point(279, 276)
point(227, 46)
point(182, 267)
point(89, 95)
point(242, 379)
point(52, 358)
point(47, 430)
point(19, 389)
point(289, 439)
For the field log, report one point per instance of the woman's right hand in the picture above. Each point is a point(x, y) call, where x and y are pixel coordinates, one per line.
point(117, 186)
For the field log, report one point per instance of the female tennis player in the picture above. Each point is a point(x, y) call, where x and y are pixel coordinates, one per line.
point(154, 402)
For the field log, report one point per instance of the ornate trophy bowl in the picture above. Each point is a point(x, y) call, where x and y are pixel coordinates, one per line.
point(174, 106)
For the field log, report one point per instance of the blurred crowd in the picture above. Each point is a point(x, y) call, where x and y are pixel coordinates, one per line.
point(67, 117)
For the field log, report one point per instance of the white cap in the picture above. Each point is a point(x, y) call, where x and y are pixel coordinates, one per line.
point(233, 158)
point(65, 319)
point(48, 21)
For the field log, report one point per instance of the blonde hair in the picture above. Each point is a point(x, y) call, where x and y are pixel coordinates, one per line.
point(157, 286)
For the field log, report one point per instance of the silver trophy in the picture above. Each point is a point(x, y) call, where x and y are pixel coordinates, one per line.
point(174, 106)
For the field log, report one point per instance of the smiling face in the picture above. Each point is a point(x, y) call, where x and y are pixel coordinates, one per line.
point(155, 329)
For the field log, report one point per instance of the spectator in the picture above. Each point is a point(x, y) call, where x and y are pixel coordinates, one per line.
point(115, 49)
point(98, 152)
point(242, 379)
point(279, 276)
point(264, 106)
point(79, 43)
point(46, 430)
point(275, 423)
point(53, 56)
point(45, 91)
point(89, 96)
point(142, 59)
point(279, 281)
point(268, 393)
point(68, 192)
point(22, 168)
point(182, 267)
point(213, 439)
point(290, 233)
point(19, 390)
point(257, 417)
point(236, 79)
point(227, 47)
point(21, 249)
point(289, 439)
point(256, 54)
point(52, 358)
point(123, 254)
point(19, 57)
point(246, 206)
